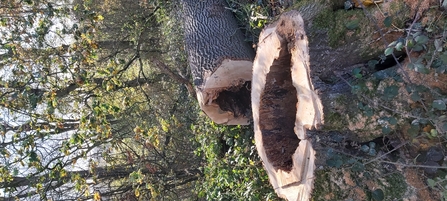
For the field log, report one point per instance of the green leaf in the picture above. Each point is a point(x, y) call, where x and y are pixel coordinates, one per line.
point(433, 132)
point(33, 100)
point(389, 51)
point(390, 92)
point(33, 157)
point(411, 66)
point(415, 97)
point(418, 48)
point(386, 130)
point(334, 162)
point(444, 127)
point(438, 45)
point(419, 67)
point(372, 63)
point(439, 105)
point(360, 105)
point(436, 63)
point(353, 24)
point(413, 130)
point(372, 152)
point(431, 183)
point(392, 43)
point(377, 195)
point(364, 148)
point(369, 112)
point(387, 21)
point(392, 121)
point(356, 72)
point(399, 46)
point(421, 88)
point(358, 167)
point(421, 39)
point(443, 58)
point(330, 153)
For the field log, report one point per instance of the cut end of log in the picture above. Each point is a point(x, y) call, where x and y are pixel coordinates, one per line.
point(284, 105)
point(225, 95)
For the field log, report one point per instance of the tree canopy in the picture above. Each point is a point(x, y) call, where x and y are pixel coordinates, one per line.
point(95, 102)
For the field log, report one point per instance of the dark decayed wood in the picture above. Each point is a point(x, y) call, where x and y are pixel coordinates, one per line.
point(284, 106)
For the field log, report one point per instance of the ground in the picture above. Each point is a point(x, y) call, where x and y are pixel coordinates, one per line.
point(382, 123)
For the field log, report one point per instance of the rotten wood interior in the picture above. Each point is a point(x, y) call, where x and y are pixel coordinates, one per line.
point(277, 113)
point(236, 99)
point(284, 106)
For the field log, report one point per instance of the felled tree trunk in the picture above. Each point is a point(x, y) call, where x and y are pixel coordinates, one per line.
point(284, 105)
point(220, 61)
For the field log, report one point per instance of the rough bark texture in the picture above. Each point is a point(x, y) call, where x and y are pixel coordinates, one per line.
point(220, 60)
point(284, 105)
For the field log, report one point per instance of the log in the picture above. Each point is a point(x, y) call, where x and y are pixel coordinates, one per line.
point(220, 61)
point(284, 105)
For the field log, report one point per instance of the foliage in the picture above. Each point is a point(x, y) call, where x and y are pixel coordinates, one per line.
point(85, 113)
point(405, 101)
point(388, 89)
point(254, 16)
point(233, 170)
point(95, 101)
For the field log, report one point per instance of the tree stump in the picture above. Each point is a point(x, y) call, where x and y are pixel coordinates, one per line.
point(284, 106)
point(220, 61)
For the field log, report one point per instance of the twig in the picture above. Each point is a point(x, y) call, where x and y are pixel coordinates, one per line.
point(435, 53)
point(377, 5)
point(383, 155)
point(435, 184)
point(382, 34)
point(415, 166)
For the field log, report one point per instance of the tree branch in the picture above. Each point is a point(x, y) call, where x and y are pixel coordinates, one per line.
point(176, 77)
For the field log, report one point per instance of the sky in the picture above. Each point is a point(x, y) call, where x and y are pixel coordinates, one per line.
point(55, 38)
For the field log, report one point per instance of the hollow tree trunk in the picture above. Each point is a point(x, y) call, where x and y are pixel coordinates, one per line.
point(220, 61)
point(284, 105)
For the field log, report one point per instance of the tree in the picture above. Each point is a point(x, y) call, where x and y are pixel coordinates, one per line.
point(220, 61)
point(92, 117)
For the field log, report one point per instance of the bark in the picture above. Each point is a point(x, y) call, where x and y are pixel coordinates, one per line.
point(220, 61)
point(175, 76)
point(284, 105)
